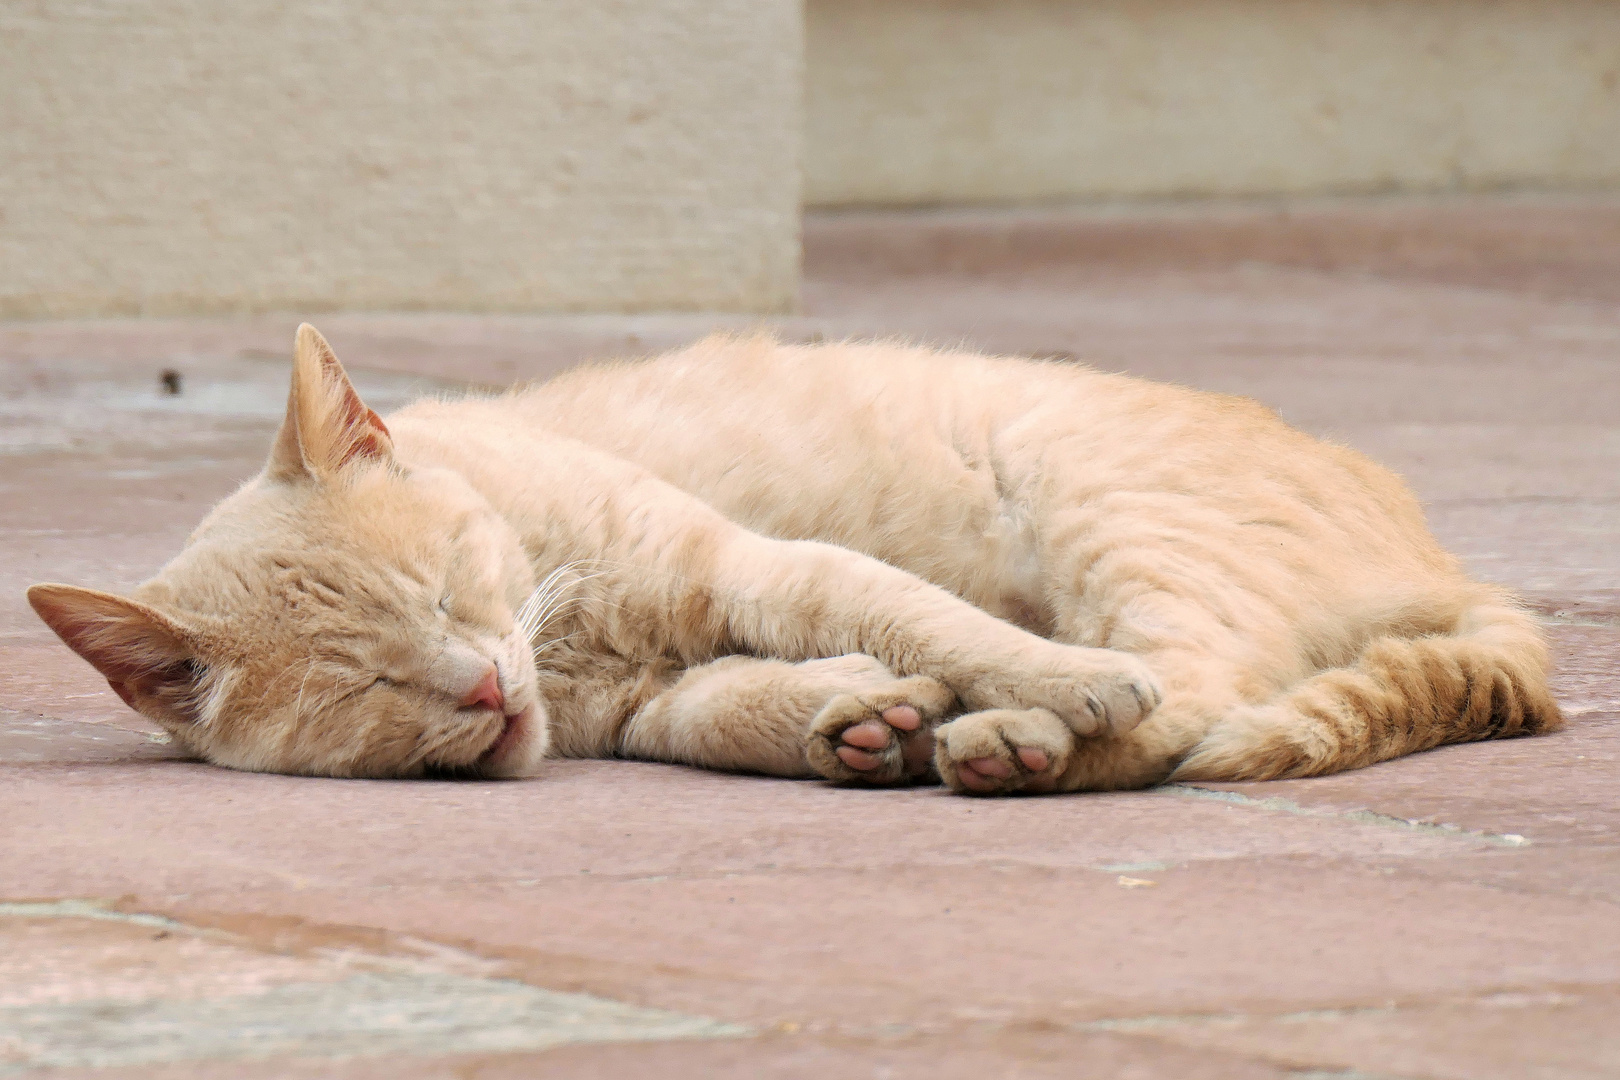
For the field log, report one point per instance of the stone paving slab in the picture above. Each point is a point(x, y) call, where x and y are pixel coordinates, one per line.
point(1031, 1054)
point(624, 819)
point(1499, 1036)
point(84, 987)
point(32, 739)
point(1002, 944)
point(1448, 915)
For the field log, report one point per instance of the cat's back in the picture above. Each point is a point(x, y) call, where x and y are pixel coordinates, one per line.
point(779, 435)
point(948, 463)
point(745, 422)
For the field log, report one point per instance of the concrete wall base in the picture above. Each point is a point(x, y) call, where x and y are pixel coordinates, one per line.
point(948, 101)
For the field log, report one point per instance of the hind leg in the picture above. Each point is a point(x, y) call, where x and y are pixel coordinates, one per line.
point(844, 718)
point(1002, 751)
point(882, 735)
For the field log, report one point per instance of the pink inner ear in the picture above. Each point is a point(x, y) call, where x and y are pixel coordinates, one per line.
point(368, 435)
point(131, 645)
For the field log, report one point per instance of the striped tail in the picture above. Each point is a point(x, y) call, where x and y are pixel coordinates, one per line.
point(1485, 680)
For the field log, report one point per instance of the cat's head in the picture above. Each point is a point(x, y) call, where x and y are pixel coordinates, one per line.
point(339, 615)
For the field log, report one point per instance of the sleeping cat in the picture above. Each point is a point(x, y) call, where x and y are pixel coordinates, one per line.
point(871, 563)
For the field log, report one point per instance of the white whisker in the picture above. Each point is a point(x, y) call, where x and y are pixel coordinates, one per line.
point(553, 598)
point(547, 646)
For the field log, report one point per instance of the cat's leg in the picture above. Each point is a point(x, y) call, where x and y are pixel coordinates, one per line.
point(880, 735)
point(1000, 751)
point(670, 576)
point(845, 717)
point(798, 598)
point(1222, 721)
point(1004, 751)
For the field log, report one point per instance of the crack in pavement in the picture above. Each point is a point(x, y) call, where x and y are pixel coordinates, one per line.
point(88, 909)
point(1280, 805)
point(1499, 998)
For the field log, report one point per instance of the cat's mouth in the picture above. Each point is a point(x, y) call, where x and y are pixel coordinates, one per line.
point(512, 733)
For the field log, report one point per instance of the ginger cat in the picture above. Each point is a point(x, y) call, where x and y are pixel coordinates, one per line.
point(871, 563)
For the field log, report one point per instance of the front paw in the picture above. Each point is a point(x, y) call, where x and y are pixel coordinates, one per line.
point(879, 737)
point(1093, 691)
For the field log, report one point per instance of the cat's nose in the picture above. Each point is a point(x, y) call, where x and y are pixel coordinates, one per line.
point(487, 694)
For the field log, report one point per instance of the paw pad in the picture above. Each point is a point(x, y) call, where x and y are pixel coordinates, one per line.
point(882, 737)
point(1003, 750)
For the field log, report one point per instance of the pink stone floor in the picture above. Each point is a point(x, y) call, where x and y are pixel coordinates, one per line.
point(1453, 914)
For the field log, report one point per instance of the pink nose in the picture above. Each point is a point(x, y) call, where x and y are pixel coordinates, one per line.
point(486, 695)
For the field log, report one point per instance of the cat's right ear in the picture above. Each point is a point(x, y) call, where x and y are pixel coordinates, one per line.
point(327, 426)
point(146, 657)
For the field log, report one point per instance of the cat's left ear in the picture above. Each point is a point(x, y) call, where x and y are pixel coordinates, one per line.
point(327, 426)
point(147, 657)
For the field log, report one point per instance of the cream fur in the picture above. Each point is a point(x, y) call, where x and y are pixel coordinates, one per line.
point(748, 555)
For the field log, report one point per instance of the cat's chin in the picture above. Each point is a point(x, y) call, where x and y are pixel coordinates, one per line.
point(520, 748)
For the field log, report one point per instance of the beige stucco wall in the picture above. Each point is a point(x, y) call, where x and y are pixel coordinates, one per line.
point(925, 101)
point(175, 157)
